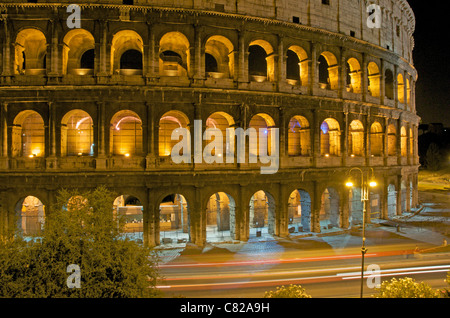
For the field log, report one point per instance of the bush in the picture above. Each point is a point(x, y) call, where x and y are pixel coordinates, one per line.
point(433, 157)
point(292, 291)
point(84, 233)
point(406, 288)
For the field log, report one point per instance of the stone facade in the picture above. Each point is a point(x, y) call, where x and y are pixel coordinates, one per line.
point(199, 60)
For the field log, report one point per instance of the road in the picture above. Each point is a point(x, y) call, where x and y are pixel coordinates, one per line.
point(328, 267)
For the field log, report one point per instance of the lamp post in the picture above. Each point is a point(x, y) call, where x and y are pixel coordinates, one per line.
point(365, 184)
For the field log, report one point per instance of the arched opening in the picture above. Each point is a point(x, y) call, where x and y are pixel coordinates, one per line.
point(220, 121)
point(374, 76)
point(127, 49)
point(28, 135)
point(392, 140)
point(392, 201)
point(297, 66)
point(168, 123)
point(126, 134)
point(174, 220)
point(77, 134)
point(262, 215)
point(356, 139)
point(31, 217)
point(389, 84)
point(130, 211)
point(211, 65)
point(257, 63)
point(299, 139)
point(220, 218)
point(78, 53)
point(87, 61)
point(353, 76)
point(174, 54)
point(30, 52)
point(376, 139)
point(330, 134)
point(263, 124)
point(329, 209)
point(400, 88)
point(131, 60)
point(261, 62)
point(292, 68)
point(299, 211)
point(328, 71)
point(219, 60)
point(375, 204)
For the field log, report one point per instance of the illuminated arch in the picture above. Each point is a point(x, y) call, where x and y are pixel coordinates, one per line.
point(125, 43)
point(297, 66)
point(299, 137)
point(218, 50)
point(167, 124)
point(354, 80)
point(78, 52)
point(30, 52)
point(261, 64)
point(265, 123)
point(174, 54)
point(28, 135)
point(356, 138)
point(330, 144)
point(376, 139)
point(77, 134)
point(328, 71)
point(374, 77)
point(126, 134)
point(392, 140)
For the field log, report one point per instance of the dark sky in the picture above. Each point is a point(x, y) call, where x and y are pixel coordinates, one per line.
point(432, 60)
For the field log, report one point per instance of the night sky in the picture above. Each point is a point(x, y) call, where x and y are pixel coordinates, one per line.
point(432, 60)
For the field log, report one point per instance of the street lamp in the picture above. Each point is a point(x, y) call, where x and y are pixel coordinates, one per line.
point(366, 183)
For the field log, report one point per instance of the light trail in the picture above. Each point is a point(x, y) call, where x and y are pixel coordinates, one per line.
point(298, 280)
point(285, 260)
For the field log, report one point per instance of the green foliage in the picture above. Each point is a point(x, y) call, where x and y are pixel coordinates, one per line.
point(292, 291)
point(405, 288)
point(433, 157)
point(82, 232)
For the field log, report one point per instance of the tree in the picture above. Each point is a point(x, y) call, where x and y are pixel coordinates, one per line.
point(81, 230)
point(292, 291)
point(433, 157)
point(405, 288)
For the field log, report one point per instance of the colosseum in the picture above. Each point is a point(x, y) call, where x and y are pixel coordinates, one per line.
point(91, 95)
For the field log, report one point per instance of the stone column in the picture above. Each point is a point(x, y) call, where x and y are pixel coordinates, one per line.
point(315, 211)
point(4, 161)
point(364, 78)
point(345, 211)
point(7, 62)
point(382, 82)
point(105, 53)
point(282, 213)
point(199, 57)
point(399, 195)
point(313, 70)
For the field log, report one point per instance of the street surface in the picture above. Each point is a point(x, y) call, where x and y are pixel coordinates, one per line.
point(327, 265)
